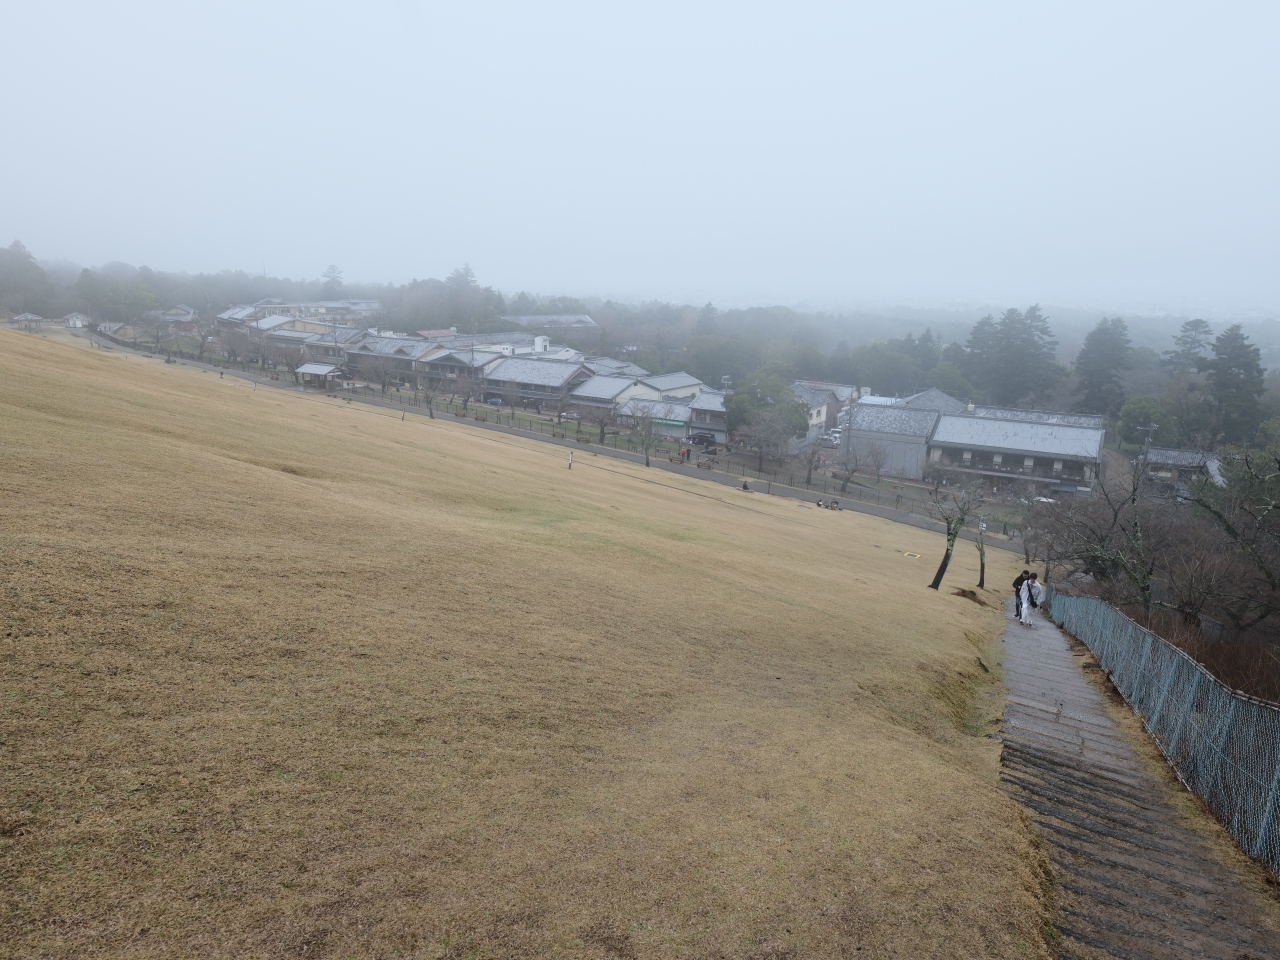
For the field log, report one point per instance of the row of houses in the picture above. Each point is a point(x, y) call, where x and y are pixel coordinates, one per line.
point(73, 320)
point(331, 311)
point(514, 367)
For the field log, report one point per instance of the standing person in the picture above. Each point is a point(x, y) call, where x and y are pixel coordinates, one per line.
point(1017, 593)
point(570, 459)
point(1037, 591)
point(1027, 602)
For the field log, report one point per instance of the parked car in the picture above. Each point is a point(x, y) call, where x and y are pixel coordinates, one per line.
point(706, 439)
point(496, 401)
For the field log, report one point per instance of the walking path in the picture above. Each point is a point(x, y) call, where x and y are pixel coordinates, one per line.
point(1135, 879)
point(688, 470)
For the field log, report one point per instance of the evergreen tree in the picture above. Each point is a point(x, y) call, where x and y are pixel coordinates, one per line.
point(1027, 368)
point(928, 351)
point(1189, 346)
point(1106, 352)
point(1191, 412)
point(981, 362)
point(1235, 383)
point(708, 324)
point(24, 286)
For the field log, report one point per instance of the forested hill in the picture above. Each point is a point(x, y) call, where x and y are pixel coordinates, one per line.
point(1202, 383)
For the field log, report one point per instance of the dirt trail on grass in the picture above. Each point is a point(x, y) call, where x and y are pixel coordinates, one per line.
point(1141, 872)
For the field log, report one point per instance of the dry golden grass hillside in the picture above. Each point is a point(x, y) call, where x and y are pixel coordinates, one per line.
point(292, 678)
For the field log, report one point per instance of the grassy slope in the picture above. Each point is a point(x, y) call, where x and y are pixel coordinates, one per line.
point(288, 678)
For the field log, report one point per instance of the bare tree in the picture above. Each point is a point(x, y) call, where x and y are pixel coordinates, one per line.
point(378, 369)
point(951, 503)
point(980, 542)
point(877, 457)
point(1117, 534)
point(235, 345)
point(159, 330)
point(644, 428)
point(602, 417)
point(850, 462)
point(1019, 508)
point(430, 393)
point(1245, 506)
point(288, 358)
point(465, 387)
point(810, 456)
point(772, 433)
point(1204, 570)
point(511, 397)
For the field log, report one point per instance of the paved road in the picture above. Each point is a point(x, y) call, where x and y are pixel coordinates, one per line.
point(1134, 879)
point(715, 476)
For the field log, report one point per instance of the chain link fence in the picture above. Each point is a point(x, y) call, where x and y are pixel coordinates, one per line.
point(1223, 744)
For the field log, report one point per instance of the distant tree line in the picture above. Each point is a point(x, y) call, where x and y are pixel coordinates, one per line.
point(1206, 390)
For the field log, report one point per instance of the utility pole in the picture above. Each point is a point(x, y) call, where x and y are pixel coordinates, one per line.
point(1146, 447)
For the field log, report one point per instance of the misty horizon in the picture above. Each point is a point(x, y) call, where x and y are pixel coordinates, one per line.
point(1102, 159)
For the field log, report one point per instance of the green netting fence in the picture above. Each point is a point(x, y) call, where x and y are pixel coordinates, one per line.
point(1223, 744)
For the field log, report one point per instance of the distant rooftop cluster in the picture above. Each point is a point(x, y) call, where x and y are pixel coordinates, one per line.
point(552, 321)
point(524, 366)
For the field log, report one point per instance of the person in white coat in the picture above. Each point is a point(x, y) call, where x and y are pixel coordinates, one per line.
point(1032, 595)
point(1025, 596)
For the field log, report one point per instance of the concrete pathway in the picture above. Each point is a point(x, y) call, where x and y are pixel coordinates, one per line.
point(1134, 878)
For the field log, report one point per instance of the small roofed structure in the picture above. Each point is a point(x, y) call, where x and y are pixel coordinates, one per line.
point(269, 323)
point(932, 399)
point(670, 417)
point(845, 393)
point(27, 318)
point(181, 314)
point(608, 367)
point(707, 411)
point(1179, 467)
point(318, 374)
point(676, 384)
point(603, 391)
point(77, 321)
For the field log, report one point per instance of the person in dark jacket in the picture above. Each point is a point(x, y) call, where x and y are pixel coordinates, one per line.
point(1017, 593)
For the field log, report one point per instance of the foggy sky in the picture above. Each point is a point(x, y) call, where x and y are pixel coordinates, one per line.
point(1109, 154)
